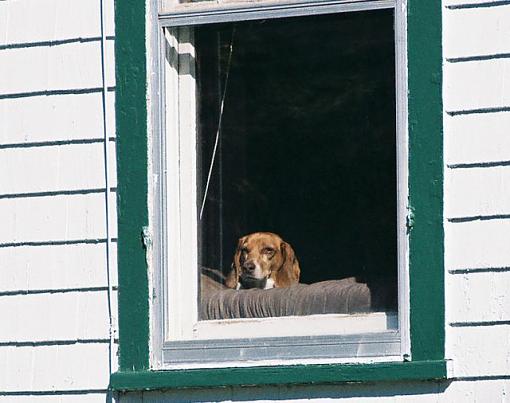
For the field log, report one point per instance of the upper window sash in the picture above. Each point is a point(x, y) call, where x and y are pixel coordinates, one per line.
point(174, 13)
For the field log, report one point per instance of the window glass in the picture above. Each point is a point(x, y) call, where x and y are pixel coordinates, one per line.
point(296, 136)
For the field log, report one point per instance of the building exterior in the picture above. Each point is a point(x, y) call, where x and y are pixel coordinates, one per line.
point(58, 242)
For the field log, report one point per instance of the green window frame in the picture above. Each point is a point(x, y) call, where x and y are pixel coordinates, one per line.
point(426, 237)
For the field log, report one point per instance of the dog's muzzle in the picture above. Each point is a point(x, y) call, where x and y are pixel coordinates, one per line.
point(252, 282)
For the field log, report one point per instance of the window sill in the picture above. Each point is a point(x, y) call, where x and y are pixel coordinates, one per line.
point(278, 375)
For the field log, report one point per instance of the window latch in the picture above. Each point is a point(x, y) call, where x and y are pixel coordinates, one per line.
point(409, 219)
point(146, 238)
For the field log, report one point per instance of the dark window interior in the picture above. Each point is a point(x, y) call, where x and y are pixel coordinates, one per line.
point(307, 142)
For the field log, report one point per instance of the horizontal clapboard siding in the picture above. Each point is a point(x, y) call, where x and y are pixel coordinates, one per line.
point(25, 71)
point(55, 218)
point(477, 85)
point(80, 366)
point(480, 350)
point(478, 192)
point(479, 297)
point(46, 317)
point(52, 20)
point(477, 244)
point(477, 205)
point(59, 397)
point(477, 139)
point(476, 32)
point(31, 269)
point(55, 119)
point(54, 281)
point(53, 169)
point(474, 4)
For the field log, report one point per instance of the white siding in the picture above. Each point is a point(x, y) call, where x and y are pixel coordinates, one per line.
point(78, 315)
point(45, 173)
point(476, 297)
point(477, 206)
point(64, 67)
point(51, 20)
point(53, 284)
point(71, 117)
point(53, 274)
point(54, 368)
point(476, 32)
point(476, 139)
point(55, 218)
point(478, 192)
point(54, 267)
point(56, 398)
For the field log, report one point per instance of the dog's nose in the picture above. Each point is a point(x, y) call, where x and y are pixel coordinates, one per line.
point(249, 266)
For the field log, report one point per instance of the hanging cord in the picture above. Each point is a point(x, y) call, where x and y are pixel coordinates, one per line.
point(216, 141)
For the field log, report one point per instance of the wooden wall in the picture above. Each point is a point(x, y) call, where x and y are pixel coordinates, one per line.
point(53, 273)
point(54, 337)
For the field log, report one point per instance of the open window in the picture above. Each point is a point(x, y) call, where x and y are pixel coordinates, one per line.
point(288, 118)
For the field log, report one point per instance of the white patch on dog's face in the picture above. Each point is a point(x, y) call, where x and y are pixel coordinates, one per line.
point(269, 284)
point(258, 273)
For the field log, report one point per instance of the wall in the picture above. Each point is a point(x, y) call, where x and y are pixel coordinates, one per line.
point(54, 338)
point(477, 228)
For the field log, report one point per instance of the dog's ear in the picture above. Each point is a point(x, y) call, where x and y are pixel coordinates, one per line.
point(288, 274)
point(232, 278)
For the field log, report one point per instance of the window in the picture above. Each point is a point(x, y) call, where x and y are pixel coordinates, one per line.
point(420, 303)
point(288, 124)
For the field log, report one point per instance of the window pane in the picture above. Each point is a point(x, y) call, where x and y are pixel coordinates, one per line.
point(305, 146)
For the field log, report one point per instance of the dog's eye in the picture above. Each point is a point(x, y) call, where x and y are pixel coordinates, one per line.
point(244, 251)
point(268, 251)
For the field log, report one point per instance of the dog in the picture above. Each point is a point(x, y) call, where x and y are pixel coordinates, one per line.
point(263, 260)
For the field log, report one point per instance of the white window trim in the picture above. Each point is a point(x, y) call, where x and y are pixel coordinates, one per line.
point(178, 337)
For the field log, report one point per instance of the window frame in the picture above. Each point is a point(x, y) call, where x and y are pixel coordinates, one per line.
point(173, 149)
point(425, 221)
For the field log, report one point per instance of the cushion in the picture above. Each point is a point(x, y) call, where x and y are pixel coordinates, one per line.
point(332, 296)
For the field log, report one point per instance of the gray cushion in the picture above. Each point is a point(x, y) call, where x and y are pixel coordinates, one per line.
point(333, 296)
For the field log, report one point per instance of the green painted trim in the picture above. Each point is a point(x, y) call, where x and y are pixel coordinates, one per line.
point(131, 118)
point(278, 375)
point(426, 237)
point(426, 263)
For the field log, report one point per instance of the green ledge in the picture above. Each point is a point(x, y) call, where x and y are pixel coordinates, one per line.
point(278, 375)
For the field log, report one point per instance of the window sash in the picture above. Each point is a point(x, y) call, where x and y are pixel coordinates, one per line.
point(179, 327)
point(231, 11)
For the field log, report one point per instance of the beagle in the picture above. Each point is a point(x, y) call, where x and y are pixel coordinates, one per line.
point(263, 260)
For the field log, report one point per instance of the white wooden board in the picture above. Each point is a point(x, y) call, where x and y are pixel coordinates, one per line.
point(55, 168)
point(55, 118)
point(477, 244)
point(59, 316)
point(53, 267)
point(49, 20)
point(479, 351)
point(478, 297)
point(60, 367)
point(447, 3)
point(64, 67)
point(60, 398)
point(477, 191)
point(477, 138)
point(476, 31)
point(56, 218)
point(478, 84)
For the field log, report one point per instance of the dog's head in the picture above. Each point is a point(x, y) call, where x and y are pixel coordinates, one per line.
point(263, 260)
